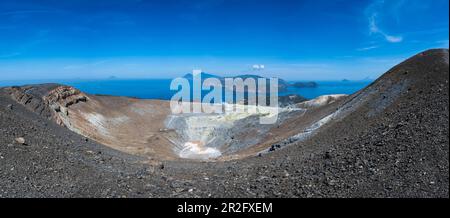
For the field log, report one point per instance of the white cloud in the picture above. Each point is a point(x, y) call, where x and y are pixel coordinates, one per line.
point(367, 48)
point(374, 29)
point(393, 39)
point(373, 16)
point(258, 67)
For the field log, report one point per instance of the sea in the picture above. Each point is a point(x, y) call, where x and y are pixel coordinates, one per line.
point(160, 88)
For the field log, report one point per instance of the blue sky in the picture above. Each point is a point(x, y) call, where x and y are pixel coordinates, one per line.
point(301, 40)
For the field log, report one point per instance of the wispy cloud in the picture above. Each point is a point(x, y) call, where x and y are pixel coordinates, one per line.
point(374, 29)
point(368, 48)
point(373, 13)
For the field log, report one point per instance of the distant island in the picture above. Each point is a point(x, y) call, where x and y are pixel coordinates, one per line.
point(282, 84)
point(304, 85)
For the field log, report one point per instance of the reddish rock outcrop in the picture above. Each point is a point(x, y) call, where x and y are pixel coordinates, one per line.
point(48, 100)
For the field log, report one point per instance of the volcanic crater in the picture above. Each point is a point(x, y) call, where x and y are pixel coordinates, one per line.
point(389, 139)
